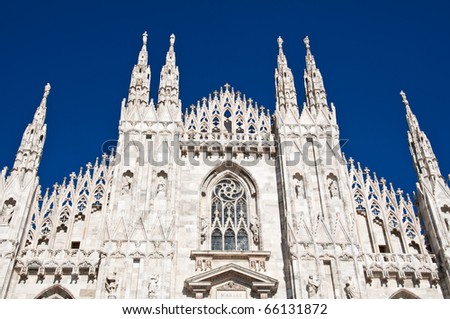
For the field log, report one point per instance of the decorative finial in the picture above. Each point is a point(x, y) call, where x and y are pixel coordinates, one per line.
point(172, 39)
point(405, 101)
point(280, 42)
point(306, 41)
point(47, 90)
point(144, 38)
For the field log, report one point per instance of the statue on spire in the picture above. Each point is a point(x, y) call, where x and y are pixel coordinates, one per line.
point(47, 90)
point(172, 39)
point(280, 42)
point(306, 41)
point(144, 38)
point(403, 95)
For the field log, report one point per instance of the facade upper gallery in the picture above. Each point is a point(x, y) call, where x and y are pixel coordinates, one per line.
point(223, 200)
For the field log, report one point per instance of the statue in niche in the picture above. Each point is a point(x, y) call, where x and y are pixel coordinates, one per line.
point(7, 211)
point(203, 229)
point(350, 291)
point(333, 187)
point(254, 228)
point(127, 180)
point(161, 188)
point(299, 190)
point(153, 285)
point(312, 287)
point(111, 285)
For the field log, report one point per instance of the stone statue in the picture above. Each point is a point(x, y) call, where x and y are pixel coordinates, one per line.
point(350, 291)
point(161, 188)
point(153, 285)
point(254, 228)
point(126, 186)
point(144, 38)
point(299, 192)
point(333, 189)
point(47, 90)
point(6, 212)
point(111, 285)
point(203, 229)
point(312, 287)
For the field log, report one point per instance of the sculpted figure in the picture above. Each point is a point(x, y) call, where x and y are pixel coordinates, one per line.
point(350, 291)
point(312, 287)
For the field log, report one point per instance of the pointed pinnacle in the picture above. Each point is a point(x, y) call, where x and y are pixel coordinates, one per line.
point(172, 39)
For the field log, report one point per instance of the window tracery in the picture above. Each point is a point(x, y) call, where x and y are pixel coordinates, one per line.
point(230, 228)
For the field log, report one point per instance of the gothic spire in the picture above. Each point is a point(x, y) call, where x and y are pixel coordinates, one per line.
point(139, 91)
point(315, 93)
point(424, 160)
point(169, 105)
point(286, 95)
point(30, 150)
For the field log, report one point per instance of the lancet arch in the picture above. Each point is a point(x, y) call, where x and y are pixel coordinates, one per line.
point(229, 218)
point(55, 292)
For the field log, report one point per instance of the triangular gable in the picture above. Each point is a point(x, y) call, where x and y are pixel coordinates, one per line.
point(261, 285)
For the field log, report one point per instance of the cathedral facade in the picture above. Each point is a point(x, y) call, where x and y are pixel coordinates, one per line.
point(223, 200)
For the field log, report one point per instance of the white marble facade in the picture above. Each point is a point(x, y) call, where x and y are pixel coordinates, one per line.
point(223, 200)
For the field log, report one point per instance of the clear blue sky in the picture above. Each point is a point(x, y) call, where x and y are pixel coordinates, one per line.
point(367, 52)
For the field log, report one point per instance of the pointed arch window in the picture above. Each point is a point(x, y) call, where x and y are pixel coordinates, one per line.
point(229, 216)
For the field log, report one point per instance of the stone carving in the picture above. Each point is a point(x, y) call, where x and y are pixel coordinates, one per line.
point(111, 285)
point(203, 264)
point(41, 274)
point(312, 287)
point(92, 273)
point(198, 265)
point(161, 188)
point(254, 228)
point(299, 189)
point(333, 188)
point(7, 211)
point(203, 229)
point(23, 274)
point(58, 274)
point(153, 285)
point(127, 180)
point(350, 291)
point(258, 265)
point(231, 286)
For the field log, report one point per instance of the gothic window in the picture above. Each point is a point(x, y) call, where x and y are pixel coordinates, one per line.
point(229, 216)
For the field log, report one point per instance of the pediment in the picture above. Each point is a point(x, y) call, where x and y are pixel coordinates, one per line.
point(231, 276)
